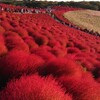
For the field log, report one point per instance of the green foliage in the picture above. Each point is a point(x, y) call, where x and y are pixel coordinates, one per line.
point(87, 5)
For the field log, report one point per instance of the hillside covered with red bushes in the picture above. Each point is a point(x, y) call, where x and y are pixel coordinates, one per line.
point(42, 59)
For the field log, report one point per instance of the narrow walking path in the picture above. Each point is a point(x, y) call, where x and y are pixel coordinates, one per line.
point(72, 26)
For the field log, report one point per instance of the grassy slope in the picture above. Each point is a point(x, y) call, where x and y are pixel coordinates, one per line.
point(89, 19)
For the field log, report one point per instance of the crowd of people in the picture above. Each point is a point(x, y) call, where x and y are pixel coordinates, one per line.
point(19, 9)
point(48, 10)
point(74, 26)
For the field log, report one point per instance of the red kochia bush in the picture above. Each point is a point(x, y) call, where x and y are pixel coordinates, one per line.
point(89, 66)
point(3, 49)
point(16, 63)
point(32, 32)
point(2, 30)
point(2, 39)
point(72, 50)
point(22, 32)
point(98, 80)
point(41, 48)
point(54, 43)
point(41, 40)
point(10, 33)
point(30, 42)
point(45, 54)
point(59, 51)
point(16, 42)
point(33, 88)
point(88, 76)
point(81, 46)
point(6, 25)
point(61, 66)
point(14, 23)
point(98, 57)
point(34, 62)
point(82, 89)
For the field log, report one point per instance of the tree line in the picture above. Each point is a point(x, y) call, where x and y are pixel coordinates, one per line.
point(43, 4)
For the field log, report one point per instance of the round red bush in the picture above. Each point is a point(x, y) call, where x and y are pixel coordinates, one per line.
point(98, 80)
point(89, 66)
point(3, 49)
point(81, 89)
point(6, 25)
point(41, 40)
point(59, 51)
point(10, 33)
point(72, 50)
point(16, 43)
point(16, 63)
point(54, 43)
point(61, 66)
point(31, 43)
point(33, 88)
point(2, 30)
point(22, 32)
point(2, 39)
point(45, 54)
